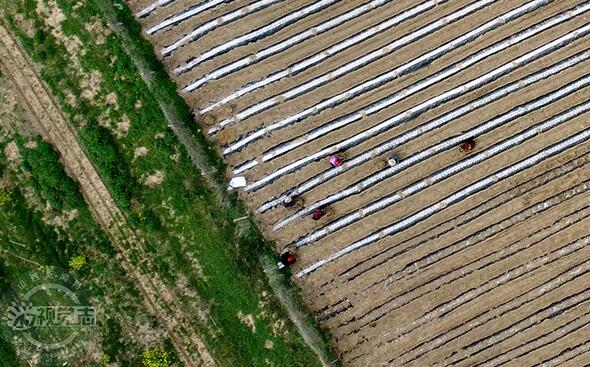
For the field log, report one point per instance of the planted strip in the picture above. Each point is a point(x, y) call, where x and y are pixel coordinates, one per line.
point(544, 314)
point(255, 35)
point(571, 303)
point(148, 10)
point(424, 128)
point(369, 110)
point(446, 144)
point(462, 220)
point(285, 44)
point(572, 274)
point(547, 339)
point(459, 166)
point(191, 12)
point(417, 87)
point(469, 239)
point(361, 62)
point(452, 199)
point(311, 60)
point(510, 275)
point(579, 217)
point(382, 79)
point(417, 110)
point(567, 355)
point(217, 22)
point(461, 270)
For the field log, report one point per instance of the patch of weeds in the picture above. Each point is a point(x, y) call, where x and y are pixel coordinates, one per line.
point(156, 357)
point(77, 262)
point(105, 153)
point(50, 179)
point(27, 238)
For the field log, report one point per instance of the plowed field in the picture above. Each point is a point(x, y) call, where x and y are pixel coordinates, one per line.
point(447, 257)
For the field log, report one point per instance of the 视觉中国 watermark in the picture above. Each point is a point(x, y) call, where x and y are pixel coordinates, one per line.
point(49, 316)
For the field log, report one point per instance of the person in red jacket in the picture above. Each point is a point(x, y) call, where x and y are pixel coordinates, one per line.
point(287, 258)
point(318, 213)
point(336, 161)
point(467, 145)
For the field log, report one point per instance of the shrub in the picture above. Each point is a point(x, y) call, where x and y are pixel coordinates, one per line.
point(51, 180)
point(150, 221)
point(155, 357)
point(112, 344)
point(77, 262)
point(5, 197)
point(105, 153)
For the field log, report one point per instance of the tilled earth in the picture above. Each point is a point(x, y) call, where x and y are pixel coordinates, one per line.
point(448, 257)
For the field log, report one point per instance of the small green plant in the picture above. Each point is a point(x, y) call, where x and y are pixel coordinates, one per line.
point(5, 197)
point(77, 262)
point(155, 357)
point(105, 360)
point(150, 221)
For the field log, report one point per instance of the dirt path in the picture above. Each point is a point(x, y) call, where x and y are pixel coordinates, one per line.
point(159, 299)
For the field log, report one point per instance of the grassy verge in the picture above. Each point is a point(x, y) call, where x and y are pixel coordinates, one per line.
point(198, 250)
point(40, 230)
point(165, 92)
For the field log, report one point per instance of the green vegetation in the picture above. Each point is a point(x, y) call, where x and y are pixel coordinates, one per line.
point(29, 242)
point(50, 179)
point(162, 88)
point(20, 225)
point(194, 243)
point(77, 262)
point(5, 197)
point(155, 357)
point(8, 356)
point(104, 152)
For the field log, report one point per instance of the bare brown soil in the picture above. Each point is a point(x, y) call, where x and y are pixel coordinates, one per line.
point(160, 300)
point(495, 278)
